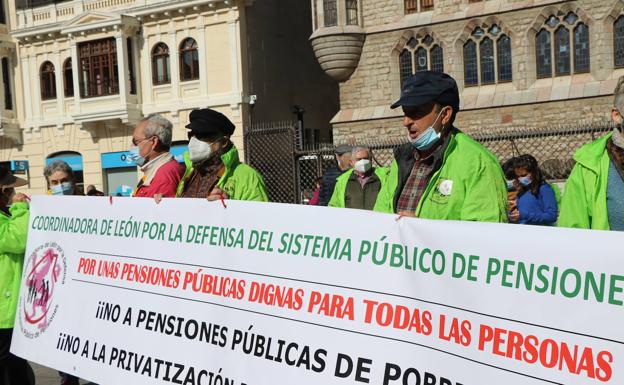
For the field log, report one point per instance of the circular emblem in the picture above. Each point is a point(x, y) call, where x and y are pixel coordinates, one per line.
point(45, 271)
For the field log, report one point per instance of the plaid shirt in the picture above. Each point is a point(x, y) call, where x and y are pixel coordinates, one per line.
point(416, 183)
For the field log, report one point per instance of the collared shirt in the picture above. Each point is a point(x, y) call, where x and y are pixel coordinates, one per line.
point(161, 176)
point(149, 169)
point(364, 178)
point(416, 183)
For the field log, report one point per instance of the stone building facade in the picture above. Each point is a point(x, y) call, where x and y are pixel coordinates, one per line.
point(79, 74)
point(518, 63)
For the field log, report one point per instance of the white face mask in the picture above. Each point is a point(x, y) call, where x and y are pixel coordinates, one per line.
point(362, 166)
point(198, 150)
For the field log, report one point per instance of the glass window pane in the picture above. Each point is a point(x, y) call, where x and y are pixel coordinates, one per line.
point(581, 48)
point(478, 32)
point(552, 21)
point(618, 41)
point(486, 52)
point(329, 12)
point(411, 6)
point(503, 48)
point(437, 59)
point(428, 40)
point(352, 12)
point(421, 60)
point(562, 51)
point(471, 76)
point(494, 30)
point(412, 43)
point(405, 64)
point(571, 18)
point(542, 48)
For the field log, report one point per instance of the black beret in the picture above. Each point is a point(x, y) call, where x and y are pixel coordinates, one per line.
point(342, 149)
point(207, 122)
point(429, 86)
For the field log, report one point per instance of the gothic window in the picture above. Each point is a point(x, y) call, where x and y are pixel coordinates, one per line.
point(487, 57)
point(48, 81)
point(618, 41)
point(352, 12)
point(421, 54)
point(330, 13)
point(564, 42)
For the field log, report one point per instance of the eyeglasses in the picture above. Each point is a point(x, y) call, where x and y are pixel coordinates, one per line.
point(136, 142)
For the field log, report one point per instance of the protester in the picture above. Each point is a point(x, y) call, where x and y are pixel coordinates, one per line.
point(536, 202)
point(593, 196)
point(93, 192)
point(213, 169)
point(343, 163)
point(359, 187)
point(151, 142)
point(441, 173)
point(512, 187)
point(60, 178)
point(13, 233)
point(314, 201)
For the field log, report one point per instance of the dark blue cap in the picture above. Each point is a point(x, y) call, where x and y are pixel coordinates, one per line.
point(429, 86)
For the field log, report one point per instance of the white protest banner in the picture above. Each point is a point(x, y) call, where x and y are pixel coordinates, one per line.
point(191, 292)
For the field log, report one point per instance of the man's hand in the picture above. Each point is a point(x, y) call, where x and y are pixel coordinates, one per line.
point(217, 194)
point(514, 216)
point(410, 214)
point(158, 198)
point(19, 197)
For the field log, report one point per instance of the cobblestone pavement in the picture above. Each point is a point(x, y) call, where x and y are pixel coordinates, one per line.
point(47, 376)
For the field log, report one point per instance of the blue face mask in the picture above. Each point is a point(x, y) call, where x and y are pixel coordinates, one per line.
point(428, 138)
point(135, 156)
point(525, 180)
point(510, 185)
point(65, 188)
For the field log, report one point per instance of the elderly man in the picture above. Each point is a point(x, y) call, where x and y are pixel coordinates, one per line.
point(13, 233)
point(358, 187)
point(441, 173)
point(213, 169)
point(151, 142)
point(594, 193)
point(328, 181)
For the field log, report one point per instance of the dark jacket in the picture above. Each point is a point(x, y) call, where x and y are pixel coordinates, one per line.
point(327, 184)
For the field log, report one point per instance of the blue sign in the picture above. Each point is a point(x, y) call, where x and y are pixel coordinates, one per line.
point(19, 165)
point(117, 160)
point(178, 152)
point(74, 161)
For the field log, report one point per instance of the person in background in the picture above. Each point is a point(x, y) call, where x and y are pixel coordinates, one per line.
point(359, 187)
point(14, 214)
point(343, 163)
point(536, 202)
point(317, 191)
point(213, 169)
point(151, 142)
point(512, 187)
point(93, 192)
point(594, 193)
point(441, 173)
point(60, 179)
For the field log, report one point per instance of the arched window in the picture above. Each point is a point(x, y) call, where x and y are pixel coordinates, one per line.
point(424, 54)
point(330, 13)
point(189, 60)
point(570, 46)
point(160, 64)
point(405, 64)
point(48, 81)
point(352, 12)
point(618, 41)
point(487, 57)
point(68, 78)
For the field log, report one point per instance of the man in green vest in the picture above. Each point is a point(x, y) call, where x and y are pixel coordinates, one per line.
point(441, 173)
point(594, 193)
point(213, 169)
point(359, 187)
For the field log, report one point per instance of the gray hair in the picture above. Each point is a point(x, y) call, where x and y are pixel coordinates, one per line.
point(358, 149)
point(58, 165)
point(160, 127)
point(618, 94)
